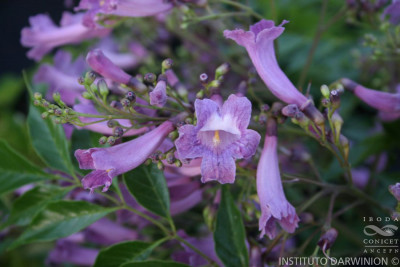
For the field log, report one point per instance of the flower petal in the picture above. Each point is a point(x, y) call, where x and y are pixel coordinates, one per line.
point(204, 110)
point(187, 145)
point(240, 110)
point(220, 167)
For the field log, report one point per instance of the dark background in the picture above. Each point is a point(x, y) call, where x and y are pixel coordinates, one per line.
point(14, 15)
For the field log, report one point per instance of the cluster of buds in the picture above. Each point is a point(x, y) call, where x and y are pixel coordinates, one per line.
point(211, 86)
point(169, 156)
point(59, 112)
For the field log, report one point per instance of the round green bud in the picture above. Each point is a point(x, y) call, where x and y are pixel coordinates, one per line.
point(87, 95)
point(37, 96)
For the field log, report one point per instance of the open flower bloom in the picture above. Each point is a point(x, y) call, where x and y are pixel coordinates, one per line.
point(385, 102)
point(123, 8)
point(220, 137)
point(392, 11)
point(158, 97)
point(112, 161)
point(44, 35)
point(124, 60)
point(101, 127)
point(63, 77)
point(274, 205)
point(259, 43)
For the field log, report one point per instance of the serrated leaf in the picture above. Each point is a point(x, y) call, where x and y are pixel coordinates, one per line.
point(49, 140)
point(32, 202)
point(154, 263)
point(229, 234)
point(15, 170)
point(121, 253)
point(60, 219)
point(147, 184)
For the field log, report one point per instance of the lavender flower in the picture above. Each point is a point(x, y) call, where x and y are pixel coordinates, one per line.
point(220, 137)
point(393, 12)
point(274, 205)
point(63, 77)
point(67, 251)
point(44, 35)
point(395, 190)
point(124, 8)
point(382, 101)
point(259, 43)
point(158, 97)
point(99, 233)
point(112, 161)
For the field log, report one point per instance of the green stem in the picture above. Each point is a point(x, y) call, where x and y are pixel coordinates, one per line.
point(141, 214)
point(244, 7)
point(213, 263)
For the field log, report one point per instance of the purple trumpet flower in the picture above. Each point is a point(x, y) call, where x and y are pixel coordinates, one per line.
point(112, 161)
point(274, 205)
point(123, 8)
point(220, 137)
point(395, 190)
point(124, 60)
point(259, 43)
point(99, 233)
point(393, 12)
point(44, 35)
point(382, 101)
point(63, 77)
point(67, 251)
point(158, 97)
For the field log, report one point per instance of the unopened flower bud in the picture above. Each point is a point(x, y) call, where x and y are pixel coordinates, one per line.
point(313, 113)
point(200, 94)
point(335, 99)
point(325, 91)
point(51, 111)
point(160, 165)
point(188, 121)
point(103, 140)
point(103, 87)
point(262, 118)
point(148, 162)
point(215, 83)
point(57, 120)
point(344, 142)
point(111, 140)
point(112, 123)
point(116, 104)
point(37, 96)
point(150, 78)
point(173, 135)
point(167, 64)
point(222, 70)
point(337, 122)
point(306, 217)
point(170, 157)
point(45, 104)
point(58, 112)
point(325, 102)
point(81, 80)
point(290, 110)
point(265, 107)
point(203, 78)
point(178, 163)
point(118, 132)
point(94, 88)
point(125, 102)
point(87, 95)
point(56, 97)
point(44, 115)
point(328, 239)
point(36, 102)
point(136, 84)
point(131, 96)
point(90, 77)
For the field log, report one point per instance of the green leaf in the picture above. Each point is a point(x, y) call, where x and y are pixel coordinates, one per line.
point(15, 170)
point(147, 184)
point(125, 252)
point(32, 202)
point(49, 140)
point(229, 235)
point(154, 263)
point(60, 219)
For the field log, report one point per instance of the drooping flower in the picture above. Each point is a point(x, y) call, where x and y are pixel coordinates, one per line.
point(392, 11)
point(69, 252)
point(259, 43)
point(220, 137)
point(274, 206)
point(124, 60)
point(43, 35)
point(395, 190)
point(109, 162)
point(385, 102)
point(123, 8)
point(62, 77)
point(158, 97)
